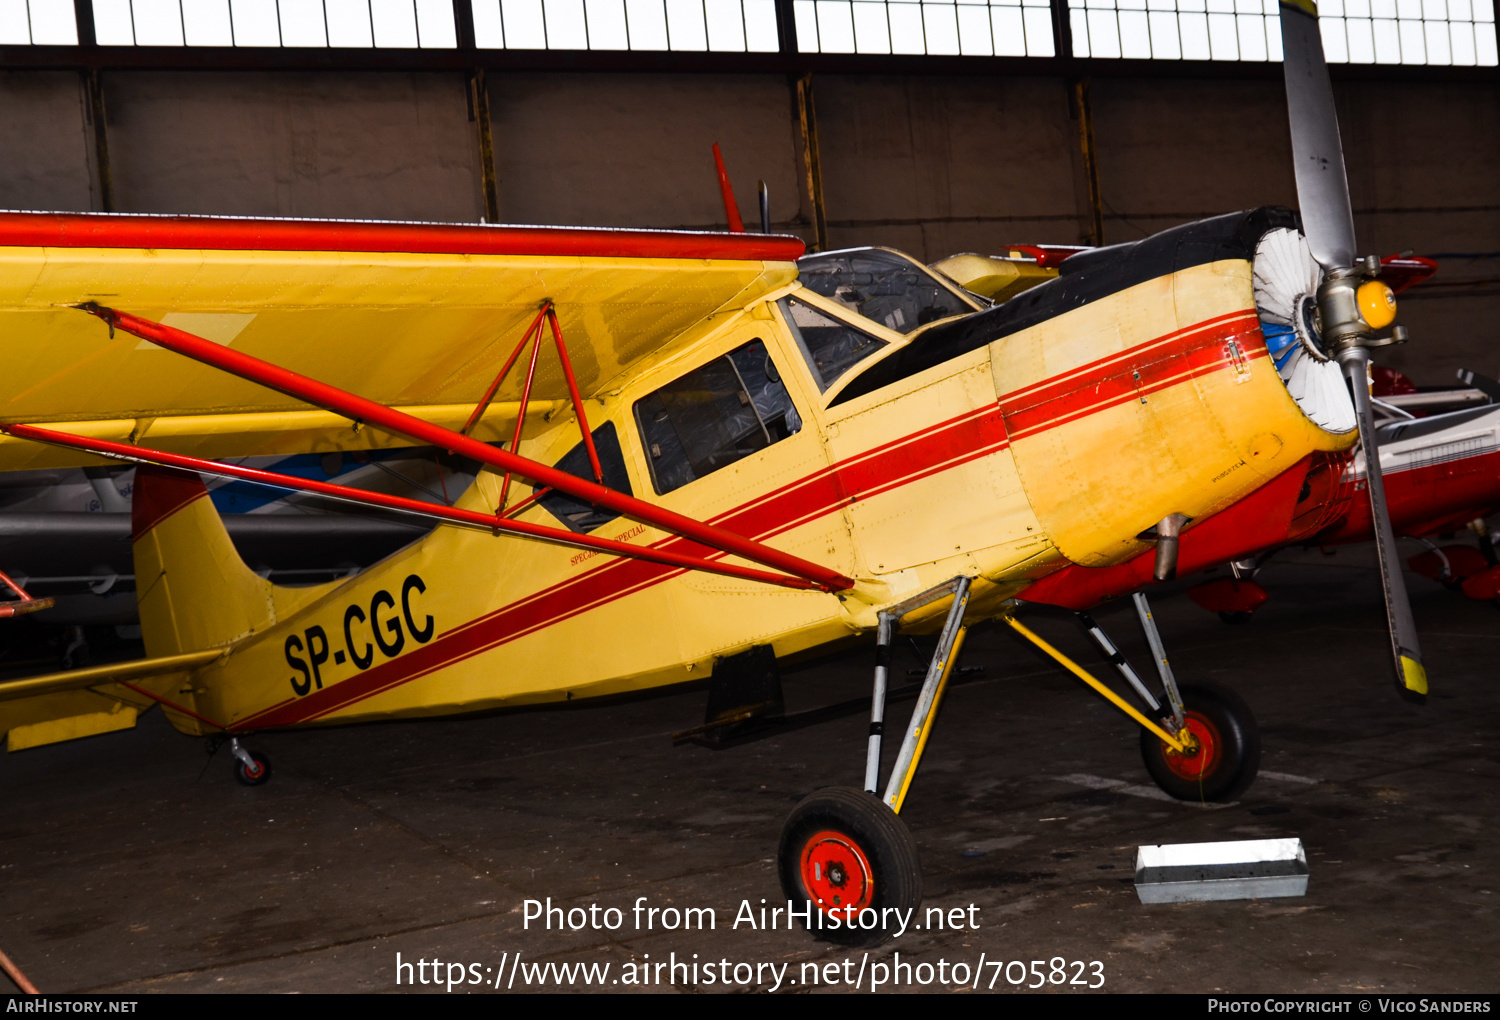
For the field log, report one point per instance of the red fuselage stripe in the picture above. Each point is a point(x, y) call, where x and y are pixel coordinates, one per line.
point(936, 448)
point(1115, 381)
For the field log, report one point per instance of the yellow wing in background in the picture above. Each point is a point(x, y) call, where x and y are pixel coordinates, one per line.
point(415, 316)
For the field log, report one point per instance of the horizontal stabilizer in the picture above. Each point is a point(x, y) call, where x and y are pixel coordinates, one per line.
point(115, 672)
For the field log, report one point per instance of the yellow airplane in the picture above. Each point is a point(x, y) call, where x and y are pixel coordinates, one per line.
point(709, 461)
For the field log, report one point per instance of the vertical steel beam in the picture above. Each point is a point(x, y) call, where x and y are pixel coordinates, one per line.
point(786, 28)
point(479, 109)
point(479, 96)
point(812, 166)
point(94, 92)
point(83, 17)
point(1084, 107)
point(88, 42)
point(1062, 29)
point(583, 420)
point(463, 24)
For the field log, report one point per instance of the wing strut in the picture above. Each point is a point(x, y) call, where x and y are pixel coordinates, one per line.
point(368, 411)
point(452, 515)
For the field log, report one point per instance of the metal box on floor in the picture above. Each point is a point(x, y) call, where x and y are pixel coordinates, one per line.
point(1235, 870)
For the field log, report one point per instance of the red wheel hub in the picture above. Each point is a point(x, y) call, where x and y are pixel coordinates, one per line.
point(836, 872)
point(1198, 766)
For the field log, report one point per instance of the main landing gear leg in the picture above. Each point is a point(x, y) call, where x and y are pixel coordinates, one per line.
point(1206, 744)
point(1159, 653)
point(845, 853)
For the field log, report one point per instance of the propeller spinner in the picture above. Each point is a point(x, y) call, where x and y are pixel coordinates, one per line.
point(1355, 310)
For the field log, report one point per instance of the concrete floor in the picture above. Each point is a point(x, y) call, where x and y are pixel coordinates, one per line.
point(124, 866)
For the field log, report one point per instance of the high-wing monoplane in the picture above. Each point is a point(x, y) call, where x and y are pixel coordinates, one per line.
point(695, 460)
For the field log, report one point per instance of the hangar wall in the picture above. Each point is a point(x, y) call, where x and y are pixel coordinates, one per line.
point(929, 164)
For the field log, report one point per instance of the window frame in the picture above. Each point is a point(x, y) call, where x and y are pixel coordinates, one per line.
point(762, 330)
point(894, 341)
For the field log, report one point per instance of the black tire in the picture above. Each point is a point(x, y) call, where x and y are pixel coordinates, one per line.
point(248, 778)
point(1236, 618)
point(1233, 746)
point(829, 826)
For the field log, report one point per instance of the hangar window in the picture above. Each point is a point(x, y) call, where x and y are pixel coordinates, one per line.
point(37, 23)
point(379, 24)
point(1413, 32)
point(970, 28)
point(718, 414)
point(1443, 32)
point(733, 26)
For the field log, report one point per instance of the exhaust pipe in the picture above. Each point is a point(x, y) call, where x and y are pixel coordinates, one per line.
point(1166, 534)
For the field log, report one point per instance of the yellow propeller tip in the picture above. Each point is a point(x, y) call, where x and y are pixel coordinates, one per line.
point(1413, 686)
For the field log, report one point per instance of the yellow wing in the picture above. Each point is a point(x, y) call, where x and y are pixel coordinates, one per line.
point(415, 316)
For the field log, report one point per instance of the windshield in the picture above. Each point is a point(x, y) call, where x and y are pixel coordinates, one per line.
point(882, 286)
point(831, 347)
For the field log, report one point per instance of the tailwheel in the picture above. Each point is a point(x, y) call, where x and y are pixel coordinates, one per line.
point(1228, 752)
point(850, 856)
point(251, 768)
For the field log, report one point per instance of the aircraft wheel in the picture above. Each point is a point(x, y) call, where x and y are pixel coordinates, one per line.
point(851, 857)
point(260, 776)
point(1229, 748)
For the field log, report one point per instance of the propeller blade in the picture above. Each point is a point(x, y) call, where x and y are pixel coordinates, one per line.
point(1411, 677)
point(1317, 153)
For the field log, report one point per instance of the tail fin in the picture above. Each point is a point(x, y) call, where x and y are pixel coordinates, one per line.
point(193, 589)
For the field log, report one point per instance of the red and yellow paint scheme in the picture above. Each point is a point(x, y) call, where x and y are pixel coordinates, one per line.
point(1007, 444)
point(1442, 475)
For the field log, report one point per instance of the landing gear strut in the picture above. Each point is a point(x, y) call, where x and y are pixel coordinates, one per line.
point(845, 855)
point(1214, 752)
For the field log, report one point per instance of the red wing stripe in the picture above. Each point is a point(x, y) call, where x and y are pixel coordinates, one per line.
point(231, 233)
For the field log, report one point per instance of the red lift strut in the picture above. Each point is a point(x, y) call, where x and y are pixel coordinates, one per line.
point(383, 501)
point(368, 411)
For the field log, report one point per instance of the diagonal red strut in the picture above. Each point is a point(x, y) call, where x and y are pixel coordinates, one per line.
point(455, 515)
point(362, 409)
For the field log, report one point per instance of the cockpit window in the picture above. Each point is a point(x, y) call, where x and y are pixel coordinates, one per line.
point(881, 286)
point(831, 347)
point(715, 415)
